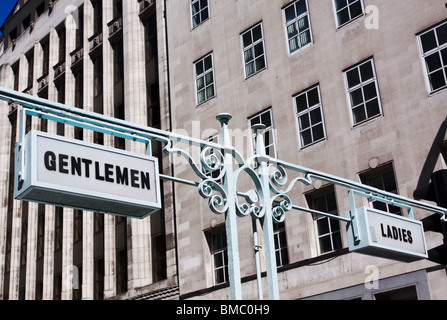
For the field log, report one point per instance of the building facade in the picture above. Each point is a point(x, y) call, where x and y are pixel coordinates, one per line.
point(355, 89)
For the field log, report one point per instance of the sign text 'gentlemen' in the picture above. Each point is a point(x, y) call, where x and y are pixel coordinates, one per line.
point(100, 171)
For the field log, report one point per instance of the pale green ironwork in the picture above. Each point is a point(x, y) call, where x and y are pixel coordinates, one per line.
point(268, 201)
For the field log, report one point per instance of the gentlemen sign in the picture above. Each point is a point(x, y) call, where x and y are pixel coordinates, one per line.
point(73, 173)
point(387, 235)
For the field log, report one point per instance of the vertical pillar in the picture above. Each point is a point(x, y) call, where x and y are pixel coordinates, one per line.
point(68, 215)
point(87, 233)
point(139, 243)
point(168, 186)
point(31, 267)
point(270, 256)
point(108, 109)
point(234, 272)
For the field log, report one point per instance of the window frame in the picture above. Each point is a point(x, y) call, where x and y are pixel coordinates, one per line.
point(367, 176)
point(203, 75)
point(362, 85)
point(308, 111)
point(218, 251)
point(191, 3)
point(351, 19)
point(281, 247)
point(312, 198)
point(251, 47)
point(295, 21)
point(268, 130)
point(424, 55)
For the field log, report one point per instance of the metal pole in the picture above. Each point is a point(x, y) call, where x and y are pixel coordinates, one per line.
point(234, 272)
point(270, 255)
point(257, 248)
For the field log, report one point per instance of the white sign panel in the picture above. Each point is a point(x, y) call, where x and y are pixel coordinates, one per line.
point(387, 235)
point(87, 176)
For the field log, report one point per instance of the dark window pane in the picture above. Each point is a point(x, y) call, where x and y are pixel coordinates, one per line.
point(370, 91)
point(266, 119)
point(372, 108)
point(340, 4)
point(313, 97)
point(247, 39)
point(433, 62)
point(315, 116)
point(204, 14)
point(199, 68)
point(437, 80)
point(356, 97)
point(442, 34)
point(353, 78)
point(301, 102)
point(260, 63)
point(306, 137)
point(323, 226)
point(290, 13)
point(301, 7)
point(304, 121)
point(356, 9)
point(208, 63)
point(343, 16)
point(428, 41)
point(366, 71)
point(318, 132)
point(259, 49)
point(257, 33)
point(325, 244)
point(359, 114)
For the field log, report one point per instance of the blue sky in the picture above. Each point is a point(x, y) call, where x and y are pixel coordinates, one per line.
point(5, 8)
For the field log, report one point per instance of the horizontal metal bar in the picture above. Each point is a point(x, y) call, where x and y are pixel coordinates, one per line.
point(187, 182)
point(55, 108)
point(360, 187)
point(332, 216)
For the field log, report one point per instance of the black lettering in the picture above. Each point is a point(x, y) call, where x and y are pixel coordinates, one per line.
point(50, 161)
point(87, 164)
point(63, 163)
point(97, 173)
point(76, 166)
point(395, 233)
point(134, 178)
point(410, 238)
point(404, 235)
point(383, 232)
point(145, 182)
point(389, 232)
point(108, 168)
point(122, 177)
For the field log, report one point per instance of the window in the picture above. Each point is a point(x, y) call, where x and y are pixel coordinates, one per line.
point(209, 153)
point(363, 91)
point(297, 25)
point(309, 112)
point(382, 178)
point(266, 118)
point(433, 44)
point(279, 235)
point(205, 84)
point(254, 51)
point(199, 11)
point(218, 249)
point(407, 293)
point(327, 229)
point(347, 10)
